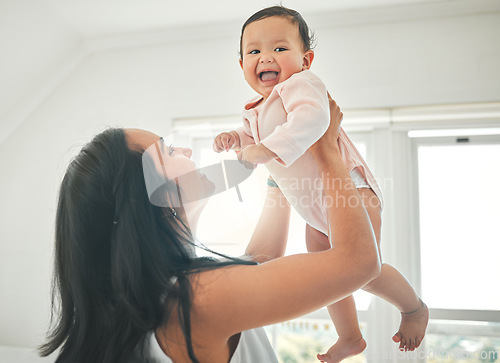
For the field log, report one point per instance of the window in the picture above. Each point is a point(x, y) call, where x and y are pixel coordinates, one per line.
point(459, 215)
point(298, 341)
point(460, 244)
point(471, 342)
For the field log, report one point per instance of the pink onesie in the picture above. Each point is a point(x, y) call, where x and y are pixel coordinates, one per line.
point(294, 116)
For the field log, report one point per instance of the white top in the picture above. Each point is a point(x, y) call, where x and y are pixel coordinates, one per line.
point(253, 347)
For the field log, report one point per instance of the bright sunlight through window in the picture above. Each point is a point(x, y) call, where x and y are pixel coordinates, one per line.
point(459, 218)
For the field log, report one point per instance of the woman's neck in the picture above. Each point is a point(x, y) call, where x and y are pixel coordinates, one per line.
point(193, 212)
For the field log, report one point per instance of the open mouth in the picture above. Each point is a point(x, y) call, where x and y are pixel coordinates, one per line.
point(268, 76)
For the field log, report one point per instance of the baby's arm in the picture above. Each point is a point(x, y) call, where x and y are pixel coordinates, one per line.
point(305, 100)
point(257, 154)
point(234, 140)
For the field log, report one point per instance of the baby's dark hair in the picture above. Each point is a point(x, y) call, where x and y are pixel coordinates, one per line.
point(306, 35)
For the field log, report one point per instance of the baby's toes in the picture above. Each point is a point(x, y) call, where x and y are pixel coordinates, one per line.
point(417, 342)
point(397, 337)
point(402, 344)
point(412, 344)
point(321, 357)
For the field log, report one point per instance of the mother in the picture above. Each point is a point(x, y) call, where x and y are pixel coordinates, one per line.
point(131, 288)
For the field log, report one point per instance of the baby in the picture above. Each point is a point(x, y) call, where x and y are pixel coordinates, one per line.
point(290, 114)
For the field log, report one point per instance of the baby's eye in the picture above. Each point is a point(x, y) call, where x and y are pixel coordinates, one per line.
point(255, 51)
point(280, 49)
point(170, 150)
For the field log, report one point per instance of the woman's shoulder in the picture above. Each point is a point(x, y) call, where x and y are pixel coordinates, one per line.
point(209, 288)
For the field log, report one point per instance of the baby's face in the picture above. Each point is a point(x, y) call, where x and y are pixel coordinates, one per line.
point(272, 51)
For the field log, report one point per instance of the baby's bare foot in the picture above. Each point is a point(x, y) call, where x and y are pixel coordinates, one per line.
point(343, 349)
point(412, 328)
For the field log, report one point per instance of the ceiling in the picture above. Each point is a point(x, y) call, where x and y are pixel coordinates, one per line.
point(101, 18)
point(44, 40)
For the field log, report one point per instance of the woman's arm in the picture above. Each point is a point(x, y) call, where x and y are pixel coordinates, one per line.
point(271, 233)
point(229, 300)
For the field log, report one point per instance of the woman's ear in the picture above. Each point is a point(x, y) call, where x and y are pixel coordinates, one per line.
point(307, 60)
point(241, 63)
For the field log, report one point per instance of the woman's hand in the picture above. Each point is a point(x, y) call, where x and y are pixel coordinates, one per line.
point(328, 142)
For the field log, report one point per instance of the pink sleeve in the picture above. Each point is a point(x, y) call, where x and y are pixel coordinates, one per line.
point(245, 134)
point(305, 101)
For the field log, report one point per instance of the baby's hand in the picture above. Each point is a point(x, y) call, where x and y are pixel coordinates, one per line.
point(256, 154)
point(226, 141)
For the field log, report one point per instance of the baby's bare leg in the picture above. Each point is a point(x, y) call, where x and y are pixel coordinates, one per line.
point(393, 287)
point(343, 313)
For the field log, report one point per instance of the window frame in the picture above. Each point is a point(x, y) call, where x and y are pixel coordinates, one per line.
point(456, 315)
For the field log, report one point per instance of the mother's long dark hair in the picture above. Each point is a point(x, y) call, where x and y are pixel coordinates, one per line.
point(115, 257)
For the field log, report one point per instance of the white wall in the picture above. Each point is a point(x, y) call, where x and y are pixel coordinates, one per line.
point(419, 62)
point(36, 45)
